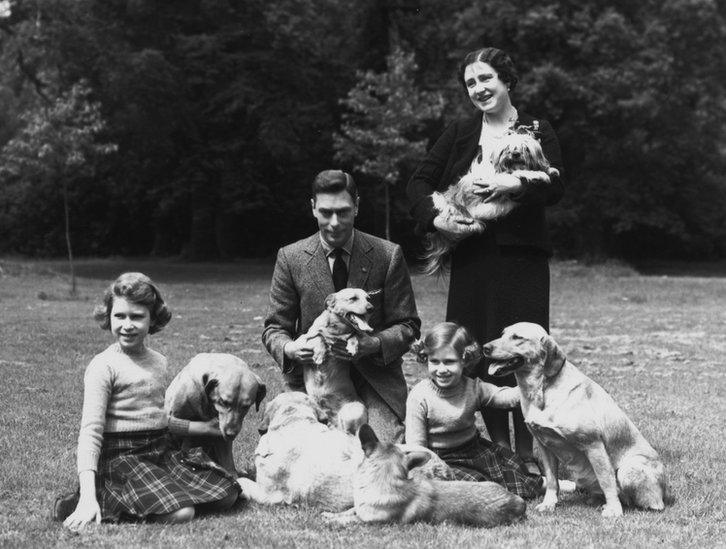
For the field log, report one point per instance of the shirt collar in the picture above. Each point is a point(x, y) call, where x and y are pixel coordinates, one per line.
point(347, 247)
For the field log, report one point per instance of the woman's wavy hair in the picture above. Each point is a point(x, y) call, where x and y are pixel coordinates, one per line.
point(448, 334)
point(136, 288)
point(498, 59)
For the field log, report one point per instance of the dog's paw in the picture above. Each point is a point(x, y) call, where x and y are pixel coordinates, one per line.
point(612, 510)
point(246, 485)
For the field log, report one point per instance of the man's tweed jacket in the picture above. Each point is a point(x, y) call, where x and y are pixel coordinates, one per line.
point(300, 284)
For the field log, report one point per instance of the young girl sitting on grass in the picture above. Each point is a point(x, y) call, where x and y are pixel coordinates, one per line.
point(440, 412)
point(127, 464)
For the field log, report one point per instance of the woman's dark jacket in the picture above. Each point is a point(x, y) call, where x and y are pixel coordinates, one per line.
point(450, 158)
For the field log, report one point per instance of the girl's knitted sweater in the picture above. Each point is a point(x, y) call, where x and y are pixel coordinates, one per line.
point(444, 418)
point(122, 393)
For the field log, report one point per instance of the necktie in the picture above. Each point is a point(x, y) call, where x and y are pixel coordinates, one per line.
point(340, 271)
point(480, 156)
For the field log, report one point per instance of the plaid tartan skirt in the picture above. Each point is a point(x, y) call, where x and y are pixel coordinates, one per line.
point(482, 460)
point(146, 473)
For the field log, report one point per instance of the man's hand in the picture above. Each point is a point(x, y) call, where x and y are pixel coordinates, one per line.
point(299, 350)
point(367, 345)
point(455, 227)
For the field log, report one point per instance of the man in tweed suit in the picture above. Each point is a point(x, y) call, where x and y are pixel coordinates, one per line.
point(304, 276)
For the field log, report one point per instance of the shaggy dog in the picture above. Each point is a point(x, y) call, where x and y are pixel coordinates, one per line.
point(383, 492)
point(518, 153)
point(575, 422)
point(328, 381)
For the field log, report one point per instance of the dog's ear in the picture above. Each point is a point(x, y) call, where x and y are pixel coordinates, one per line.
point(209, 383)
point(368, 439)
point(554, 357)
point(416, 459)
point(261, 393)
point(330, 301)
point(263, 424)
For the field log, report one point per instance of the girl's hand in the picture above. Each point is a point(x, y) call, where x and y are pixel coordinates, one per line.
point(86, 511)
point(454, 227)
point(499, 185)
point(211, 427)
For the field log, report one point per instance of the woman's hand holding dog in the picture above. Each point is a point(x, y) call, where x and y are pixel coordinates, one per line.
point(498, 186)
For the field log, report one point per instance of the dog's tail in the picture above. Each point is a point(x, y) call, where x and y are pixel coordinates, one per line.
point(437, 249)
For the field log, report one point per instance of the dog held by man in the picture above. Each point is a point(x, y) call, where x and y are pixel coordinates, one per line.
point(577, 423)
point(217, 389)
point(518, 153)
point(384, 492)
point(327, 379)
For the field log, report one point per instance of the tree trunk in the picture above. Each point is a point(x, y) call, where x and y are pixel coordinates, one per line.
point(387, 198)
point(68, 237)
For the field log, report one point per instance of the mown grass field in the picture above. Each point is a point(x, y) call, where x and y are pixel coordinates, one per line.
point(657, 344)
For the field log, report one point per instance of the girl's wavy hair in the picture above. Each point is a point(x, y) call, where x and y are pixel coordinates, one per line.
point(137, 288)
point(499, 61)
point(448, 334)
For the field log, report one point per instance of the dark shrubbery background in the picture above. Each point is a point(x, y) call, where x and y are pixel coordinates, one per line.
point(223, 111)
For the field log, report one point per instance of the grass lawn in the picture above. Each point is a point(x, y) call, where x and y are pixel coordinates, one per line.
point(655, 343)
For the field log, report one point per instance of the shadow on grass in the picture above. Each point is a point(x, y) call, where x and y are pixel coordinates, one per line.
point(710, 269)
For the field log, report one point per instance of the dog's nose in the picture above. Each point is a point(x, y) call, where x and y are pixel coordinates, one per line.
point(487, 348)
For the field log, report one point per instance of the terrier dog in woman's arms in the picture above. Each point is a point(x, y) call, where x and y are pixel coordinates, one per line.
point(576, 422)
point(517, 153)
point(384, 492)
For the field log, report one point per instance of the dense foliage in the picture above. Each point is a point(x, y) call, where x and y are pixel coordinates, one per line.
point(223, 111)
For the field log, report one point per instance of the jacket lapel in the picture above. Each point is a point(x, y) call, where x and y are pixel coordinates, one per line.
point(466, 145)
point(317, 267)
point(360, 261)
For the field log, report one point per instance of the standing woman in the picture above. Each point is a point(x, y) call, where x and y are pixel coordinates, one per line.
point(500, 276)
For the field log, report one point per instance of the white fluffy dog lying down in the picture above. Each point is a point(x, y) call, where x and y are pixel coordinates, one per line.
point(300, 460)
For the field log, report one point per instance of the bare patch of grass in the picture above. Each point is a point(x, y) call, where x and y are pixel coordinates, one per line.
point(660, 356)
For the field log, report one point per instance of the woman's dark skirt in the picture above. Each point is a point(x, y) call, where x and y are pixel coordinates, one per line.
point(481, 460)
point(146, 473)
point(493, 286)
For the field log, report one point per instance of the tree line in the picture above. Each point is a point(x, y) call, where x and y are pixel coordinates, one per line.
point(195, 127)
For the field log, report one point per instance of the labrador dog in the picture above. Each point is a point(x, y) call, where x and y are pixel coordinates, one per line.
point(300, 460)
point(575, 422)
point(383, 492)
point(328, 380)
point(215, 385)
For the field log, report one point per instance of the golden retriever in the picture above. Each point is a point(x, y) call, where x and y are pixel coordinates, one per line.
point(300, 460)
point(575, 422)
point(215, 385)
point(383, 492)
point(328, 381)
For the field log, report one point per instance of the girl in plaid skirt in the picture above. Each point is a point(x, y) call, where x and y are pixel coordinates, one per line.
point(128, 466)
point(440, 413)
